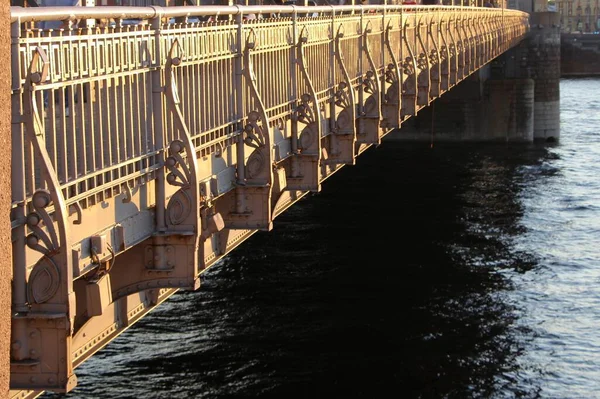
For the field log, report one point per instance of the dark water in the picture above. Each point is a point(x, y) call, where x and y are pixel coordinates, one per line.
point(452, 272)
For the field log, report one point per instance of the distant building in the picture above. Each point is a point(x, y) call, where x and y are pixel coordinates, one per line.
point(579, 15)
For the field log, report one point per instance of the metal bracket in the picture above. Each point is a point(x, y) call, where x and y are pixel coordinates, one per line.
point(434, 62)
point(369, 131)
point(423, 70)
point(310, 153)
point(409, 85)
point(49, 288)
point(393, 95)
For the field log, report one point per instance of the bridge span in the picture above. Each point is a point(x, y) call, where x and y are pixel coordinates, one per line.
point(143, 153)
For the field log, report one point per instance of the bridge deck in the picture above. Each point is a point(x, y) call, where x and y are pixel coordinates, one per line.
point(182, 139)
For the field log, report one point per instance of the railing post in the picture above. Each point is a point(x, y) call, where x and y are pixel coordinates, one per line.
point(19, 300)
point(334, 146)
point(239, 103)
point(157, 110)
point(294, 163)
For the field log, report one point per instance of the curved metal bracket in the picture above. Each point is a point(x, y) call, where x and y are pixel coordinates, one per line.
point(371, 82)
point(434, 60)
point(314, 111)
point(393, 95)
point(444, 57)
point(477, 40)
point(53, 244)
point(452, 53)
point(469, 48)
point(461, 49)
point(344, 95)
point(257, 136)
point(422, 59)
point(409, 85)
point(183, 172)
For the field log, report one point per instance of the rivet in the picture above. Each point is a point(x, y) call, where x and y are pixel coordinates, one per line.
point(16, 345)
point(51, 380)
point(33, 380)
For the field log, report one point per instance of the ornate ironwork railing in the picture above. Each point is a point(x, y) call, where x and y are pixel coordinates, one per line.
point(161, 138)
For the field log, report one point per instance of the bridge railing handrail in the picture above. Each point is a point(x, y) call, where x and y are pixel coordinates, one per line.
point(36, 14)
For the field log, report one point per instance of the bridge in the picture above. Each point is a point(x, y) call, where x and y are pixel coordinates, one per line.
point(144, 152)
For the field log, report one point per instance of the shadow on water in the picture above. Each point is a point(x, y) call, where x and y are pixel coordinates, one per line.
point(388, 283)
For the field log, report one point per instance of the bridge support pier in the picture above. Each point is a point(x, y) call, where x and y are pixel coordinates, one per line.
point(543, 46)
point(482, 108)
point(515, 97)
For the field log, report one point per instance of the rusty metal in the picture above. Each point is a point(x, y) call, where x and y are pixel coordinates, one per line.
point(143, 153)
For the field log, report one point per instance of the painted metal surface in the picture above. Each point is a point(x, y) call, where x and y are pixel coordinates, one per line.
point(144, 152)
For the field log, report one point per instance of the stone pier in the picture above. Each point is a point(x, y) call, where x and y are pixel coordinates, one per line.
point(515, 98)
point(543, 45)
point(480, 109)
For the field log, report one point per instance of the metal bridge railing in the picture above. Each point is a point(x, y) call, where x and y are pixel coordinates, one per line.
point(162, 139)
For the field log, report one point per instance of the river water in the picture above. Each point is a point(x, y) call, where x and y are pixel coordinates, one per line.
point(456, 271)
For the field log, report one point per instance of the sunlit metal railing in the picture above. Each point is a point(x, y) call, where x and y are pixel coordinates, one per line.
point(194, 125)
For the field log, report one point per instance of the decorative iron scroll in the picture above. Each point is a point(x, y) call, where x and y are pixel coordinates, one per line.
point(392, 97)
point(183, 206)
point(344, 95)
point(409, 69)
point(371, 84)
point(423, 68)
point(308, 111)
point(434, 61)
point(53, 245)
point(258, 166)
point(444, 58)
point(392, 73)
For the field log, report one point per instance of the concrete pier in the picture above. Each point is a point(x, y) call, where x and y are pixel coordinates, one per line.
point(483, 108)
point(509, 110)
point(514, 98)
point(544, 61)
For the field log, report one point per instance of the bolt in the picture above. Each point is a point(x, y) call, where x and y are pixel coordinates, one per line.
point(33, 380)
point(51, 380)
point(16, 345)
point(33, 353)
